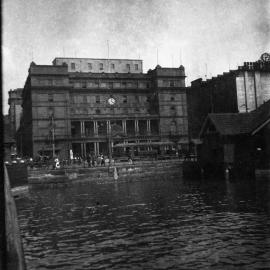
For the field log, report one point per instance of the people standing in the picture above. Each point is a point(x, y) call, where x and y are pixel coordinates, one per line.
point(88, 158)
point(102, 160)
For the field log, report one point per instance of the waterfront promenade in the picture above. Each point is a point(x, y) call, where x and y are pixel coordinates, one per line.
point(120, 171)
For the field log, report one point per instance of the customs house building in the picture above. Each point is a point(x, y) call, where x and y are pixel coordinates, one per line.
point(86, 105)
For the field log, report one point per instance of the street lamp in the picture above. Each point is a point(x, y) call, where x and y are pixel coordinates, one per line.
point(52, 132)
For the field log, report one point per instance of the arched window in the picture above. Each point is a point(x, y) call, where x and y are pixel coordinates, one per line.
point(173, 128)
point(173, 110)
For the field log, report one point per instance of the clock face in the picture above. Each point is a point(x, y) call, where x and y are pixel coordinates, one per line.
point(265, 57)
point(111, 101)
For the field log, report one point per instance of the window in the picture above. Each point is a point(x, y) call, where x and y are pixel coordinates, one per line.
point(172, 99)
point(110, 84)
point(136, 67)
point(73, 66)
point(124, 99)
point(112, 66)
point(90, 66)
point(83, 84)
point(148, 85)
point(50, 111)
point(50, 97)
point(97, 99)
point(101, 66)
point(172, 83)
point(128, 67)
point(124, 84)
point(173, 110)
point(173, 128)
point(97, 111)
point(50, 82)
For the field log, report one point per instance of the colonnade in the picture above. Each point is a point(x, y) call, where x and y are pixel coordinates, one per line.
point(108, 126)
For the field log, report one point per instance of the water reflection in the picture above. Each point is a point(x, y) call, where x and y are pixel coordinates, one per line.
point(149, 224)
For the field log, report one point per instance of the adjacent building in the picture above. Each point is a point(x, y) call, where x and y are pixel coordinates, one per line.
point(78, 106)
point(15, 109)
point(240, 140)
point(8, 139)
point(237, 91)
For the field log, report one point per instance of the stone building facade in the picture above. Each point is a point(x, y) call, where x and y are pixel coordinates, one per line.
point(15, 109)
point(84, 106)
point(237, 91)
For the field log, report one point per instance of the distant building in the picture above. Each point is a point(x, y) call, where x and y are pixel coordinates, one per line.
point(242, 90)
point(15, 109)
point(9, 141)
point(86, 105)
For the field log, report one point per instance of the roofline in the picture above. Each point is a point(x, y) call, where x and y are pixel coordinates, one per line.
point(260, 126)
point(203, 126)
point(108, 59)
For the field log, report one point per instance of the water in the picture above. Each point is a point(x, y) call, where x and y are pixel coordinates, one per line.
point(148, 224)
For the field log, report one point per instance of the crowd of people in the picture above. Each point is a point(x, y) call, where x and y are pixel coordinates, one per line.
point(90, 160)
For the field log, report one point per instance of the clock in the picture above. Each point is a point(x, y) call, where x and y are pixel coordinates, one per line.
point(265, 57)
point(111, 101)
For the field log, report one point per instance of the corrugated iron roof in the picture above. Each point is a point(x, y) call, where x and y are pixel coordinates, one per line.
point(239, 123)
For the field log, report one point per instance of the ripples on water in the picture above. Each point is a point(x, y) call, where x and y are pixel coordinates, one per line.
point(148, 224)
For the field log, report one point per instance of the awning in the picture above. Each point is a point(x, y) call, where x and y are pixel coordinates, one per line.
point(49, 149)
point(183, 140)
point(196, 141)
point(121, 145)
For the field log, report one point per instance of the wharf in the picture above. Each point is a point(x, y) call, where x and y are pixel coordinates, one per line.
point(125, 172)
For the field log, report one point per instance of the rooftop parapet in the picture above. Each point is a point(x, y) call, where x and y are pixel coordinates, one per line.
point(100, 65)
point(168, 72)
point(47, 69)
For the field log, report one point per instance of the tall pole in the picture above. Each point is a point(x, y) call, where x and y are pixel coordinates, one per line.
point(110, 149)
point(53, 143)
point(110, 142)
point(108, 47)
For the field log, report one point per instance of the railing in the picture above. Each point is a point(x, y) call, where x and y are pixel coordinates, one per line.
point(14, 249)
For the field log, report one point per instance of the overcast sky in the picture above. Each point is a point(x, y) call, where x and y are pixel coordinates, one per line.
point(207, 36)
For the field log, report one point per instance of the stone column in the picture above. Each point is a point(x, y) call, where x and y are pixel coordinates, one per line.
point(82, 150)
point(124, 126)
point(82, 128)
point(95, 148)
point(95, 128)
point(108, 127)
point(136, 127)
point(148, 127)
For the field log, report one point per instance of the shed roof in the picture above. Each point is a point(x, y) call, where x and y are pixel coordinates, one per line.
point(239, 123)
point(231, 123)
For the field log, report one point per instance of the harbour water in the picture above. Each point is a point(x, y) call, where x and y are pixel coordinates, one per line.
point(148, 224)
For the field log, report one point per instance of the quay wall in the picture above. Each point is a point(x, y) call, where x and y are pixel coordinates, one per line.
point(14, 249)
point(17, 174)
point(125, 172)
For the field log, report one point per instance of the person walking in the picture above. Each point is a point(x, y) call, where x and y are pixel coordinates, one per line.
point(88, 158)
point(102, 160)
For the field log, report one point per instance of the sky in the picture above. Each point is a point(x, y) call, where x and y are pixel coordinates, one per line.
point(208, 37)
